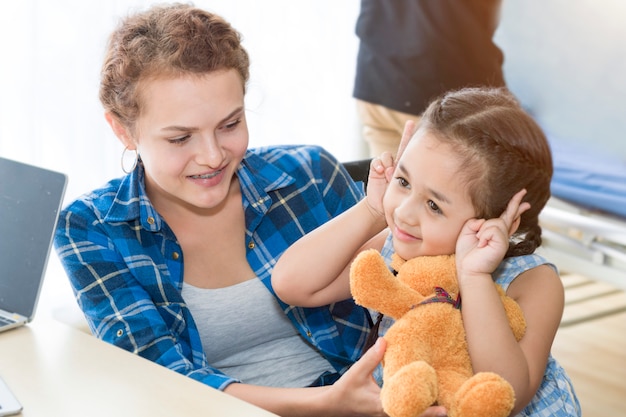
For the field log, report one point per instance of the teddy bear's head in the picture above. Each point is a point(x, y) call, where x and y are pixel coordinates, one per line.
point(423, 273)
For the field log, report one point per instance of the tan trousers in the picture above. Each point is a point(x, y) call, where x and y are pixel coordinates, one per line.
point(382, 127)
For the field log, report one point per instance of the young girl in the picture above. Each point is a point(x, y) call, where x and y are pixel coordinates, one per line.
point(471, 181)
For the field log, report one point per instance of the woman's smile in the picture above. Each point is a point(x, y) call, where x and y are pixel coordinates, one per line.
point(209, 178)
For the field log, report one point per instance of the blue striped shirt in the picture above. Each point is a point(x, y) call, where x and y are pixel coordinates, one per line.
point(126, 266)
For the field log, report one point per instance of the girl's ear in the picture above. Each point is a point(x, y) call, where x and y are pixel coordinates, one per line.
point(120, 131)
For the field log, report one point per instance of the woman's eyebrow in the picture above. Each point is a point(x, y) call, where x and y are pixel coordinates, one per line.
point(232, 114)
point(179, 129)
point(176, 128)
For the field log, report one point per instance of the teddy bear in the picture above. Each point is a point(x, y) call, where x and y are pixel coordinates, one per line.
point(427, 361)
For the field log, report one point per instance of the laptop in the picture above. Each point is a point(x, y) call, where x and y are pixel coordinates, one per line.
point(30, 201)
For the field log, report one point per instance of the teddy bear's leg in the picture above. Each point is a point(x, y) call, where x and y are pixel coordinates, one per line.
point(449, 381)
point(409, 391)
point(486, 394)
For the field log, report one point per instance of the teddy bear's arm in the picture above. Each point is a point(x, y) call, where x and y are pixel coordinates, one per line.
point(374, 286)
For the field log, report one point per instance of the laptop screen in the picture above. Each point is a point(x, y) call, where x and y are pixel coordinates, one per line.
point(30, 200)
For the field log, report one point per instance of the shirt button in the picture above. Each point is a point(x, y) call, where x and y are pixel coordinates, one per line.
point(119, 333)
point(251, 245)
point(150, 220)
point(175, 256)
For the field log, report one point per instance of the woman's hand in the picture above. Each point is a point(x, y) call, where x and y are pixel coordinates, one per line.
point(358, 394)
point(482, 244)
point(381, 171)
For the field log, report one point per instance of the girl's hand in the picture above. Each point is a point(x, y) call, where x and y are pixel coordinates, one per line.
point(482, 244)
point(381, 171)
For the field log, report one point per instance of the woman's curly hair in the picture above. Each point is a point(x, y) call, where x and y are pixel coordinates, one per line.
point(165, 41)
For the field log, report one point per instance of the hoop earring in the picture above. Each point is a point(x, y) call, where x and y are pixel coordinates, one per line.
point(136, 158)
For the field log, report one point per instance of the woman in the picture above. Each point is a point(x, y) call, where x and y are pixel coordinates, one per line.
point(173, 261)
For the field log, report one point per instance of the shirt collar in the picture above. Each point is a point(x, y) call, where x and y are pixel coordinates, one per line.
point(131, 202)
point(258, 177)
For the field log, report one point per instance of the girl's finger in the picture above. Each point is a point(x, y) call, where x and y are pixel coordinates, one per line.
point(515, 208)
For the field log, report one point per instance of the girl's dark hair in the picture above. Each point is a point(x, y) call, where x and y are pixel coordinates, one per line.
point(165, 41)
point(502, 149)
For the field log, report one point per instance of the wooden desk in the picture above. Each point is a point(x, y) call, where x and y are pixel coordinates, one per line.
point(56, 370)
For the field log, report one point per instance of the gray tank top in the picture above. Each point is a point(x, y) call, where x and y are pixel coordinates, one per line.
point(246, 335)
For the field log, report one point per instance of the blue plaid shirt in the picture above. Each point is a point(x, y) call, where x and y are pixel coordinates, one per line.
point(126, 266)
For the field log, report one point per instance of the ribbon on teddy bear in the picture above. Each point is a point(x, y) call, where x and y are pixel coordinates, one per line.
point(442, 296)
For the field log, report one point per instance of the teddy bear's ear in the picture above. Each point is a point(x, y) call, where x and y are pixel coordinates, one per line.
point(396, 262)
point(423, 273)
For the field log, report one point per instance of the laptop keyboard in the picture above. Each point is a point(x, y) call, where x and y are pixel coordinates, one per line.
point(4, 320)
